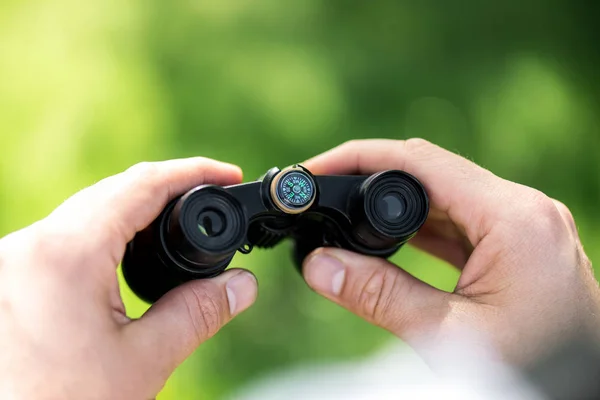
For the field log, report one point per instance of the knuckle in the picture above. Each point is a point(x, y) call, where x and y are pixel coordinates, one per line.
point(378, 296)
point(544, 206)
point(541, 202)
point(419, 148)
point(565, 212)
point(371, 295)
point(44, 249)
point(144, 170)
point(352, 144)
point(45, 246)
point(542, 215)
point(417, 144)
point(143, 173)
point(204, 313)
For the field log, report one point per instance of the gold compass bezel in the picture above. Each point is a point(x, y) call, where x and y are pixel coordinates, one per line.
point(275, 198)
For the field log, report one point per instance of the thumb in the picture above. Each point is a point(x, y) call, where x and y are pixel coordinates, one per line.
point(376, 290)
point(187, 316)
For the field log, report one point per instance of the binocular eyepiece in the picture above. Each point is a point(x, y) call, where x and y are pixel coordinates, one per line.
point(197, 234)
point(390, 207)
point(205, 229)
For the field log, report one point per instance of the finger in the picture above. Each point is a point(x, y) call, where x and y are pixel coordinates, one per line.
point(187, 316)
point(567, 217)
point(470, 195)
point(440, 237)
point(454, 252)
point(569, 221)
point(113, 210)
point(376, 290)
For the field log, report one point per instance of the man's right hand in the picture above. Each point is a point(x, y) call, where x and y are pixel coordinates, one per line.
point(525, 281)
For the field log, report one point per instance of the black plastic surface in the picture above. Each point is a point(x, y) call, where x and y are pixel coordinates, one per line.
point(197, 234)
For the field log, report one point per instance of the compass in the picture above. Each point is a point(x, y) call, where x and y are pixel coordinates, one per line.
point(294, 191)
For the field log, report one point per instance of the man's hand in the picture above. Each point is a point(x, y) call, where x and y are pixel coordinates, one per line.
point(525, 281)
point(63, 329)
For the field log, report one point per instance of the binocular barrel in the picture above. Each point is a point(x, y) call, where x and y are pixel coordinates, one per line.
point(205, 229)
point(389, 209)
point(195, 237)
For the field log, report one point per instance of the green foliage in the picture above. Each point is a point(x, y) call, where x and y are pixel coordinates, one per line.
point(89, 88)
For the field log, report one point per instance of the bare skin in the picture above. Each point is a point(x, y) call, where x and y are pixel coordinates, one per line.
point(525, 281)
point(64, 333)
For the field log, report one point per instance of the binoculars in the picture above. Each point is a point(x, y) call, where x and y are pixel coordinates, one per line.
point(197, 234)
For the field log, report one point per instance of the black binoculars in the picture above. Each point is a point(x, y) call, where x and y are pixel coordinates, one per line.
point(197, 234)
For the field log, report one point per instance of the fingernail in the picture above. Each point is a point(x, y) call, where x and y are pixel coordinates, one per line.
point(241, 292)
point(325, 274)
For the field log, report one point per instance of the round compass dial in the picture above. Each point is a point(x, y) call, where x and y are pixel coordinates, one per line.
point(294, 191)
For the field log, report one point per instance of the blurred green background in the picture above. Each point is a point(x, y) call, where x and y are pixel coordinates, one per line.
point(90, 88)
